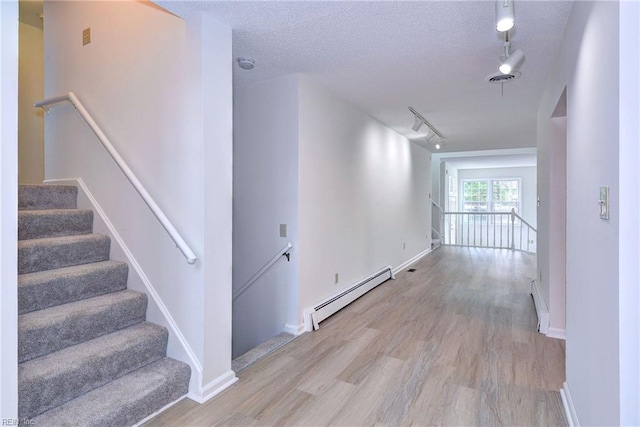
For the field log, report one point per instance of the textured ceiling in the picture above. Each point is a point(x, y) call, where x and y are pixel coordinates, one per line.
point(384, 56)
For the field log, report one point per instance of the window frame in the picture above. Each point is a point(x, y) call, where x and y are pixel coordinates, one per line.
point(490, 202)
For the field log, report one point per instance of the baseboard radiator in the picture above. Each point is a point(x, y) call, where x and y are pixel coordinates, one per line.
point(335, 303)
point(541, 308)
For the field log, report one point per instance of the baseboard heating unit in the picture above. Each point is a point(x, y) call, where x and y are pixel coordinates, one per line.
point(541, 308)
point(331, 305)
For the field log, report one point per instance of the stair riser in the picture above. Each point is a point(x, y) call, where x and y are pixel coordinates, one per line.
point(69, 223)
point(35, 257)
point(150, 389)
point(41, 394)
point(47, 197)
point(78, 327)
point(61, 290)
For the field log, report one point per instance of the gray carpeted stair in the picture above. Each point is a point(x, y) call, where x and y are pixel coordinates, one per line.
point(57, 252)
point(124, 401)
point(76, 370)
point(49, 288)
point(87, 355)
point(77, 322)
point(47, 197)
point(38, 224)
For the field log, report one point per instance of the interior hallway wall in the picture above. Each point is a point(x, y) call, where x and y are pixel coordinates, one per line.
point(364, 195)
point(601, 358)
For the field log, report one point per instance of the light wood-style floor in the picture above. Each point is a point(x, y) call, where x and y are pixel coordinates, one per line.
point(453, 343)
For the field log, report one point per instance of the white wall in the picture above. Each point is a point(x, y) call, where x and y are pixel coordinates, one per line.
point(145, 77)
point(528, 189)
point(265, 196)
point(363, 195)
point(8, 209)
point(596, 358)
point(629, 206)
point(30, 118)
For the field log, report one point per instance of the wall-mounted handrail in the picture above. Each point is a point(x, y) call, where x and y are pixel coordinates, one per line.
point(164, 221)
point(283, 252)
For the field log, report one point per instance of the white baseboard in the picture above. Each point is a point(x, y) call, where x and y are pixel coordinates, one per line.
point(567, 404)
point(410, 261)
point(133, 263)
point(159, 411)
point(214, 388)
point(557, 333)
point(294, 329)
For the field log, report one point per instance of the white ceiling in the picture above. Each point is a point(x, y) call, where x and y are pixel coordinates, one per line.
point(384, 56)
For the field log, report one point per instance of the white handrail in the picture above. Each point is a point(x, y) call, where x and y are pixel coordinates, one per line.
point(164, 221)
point(525, 222)
point(434, 203)
point(283, 252)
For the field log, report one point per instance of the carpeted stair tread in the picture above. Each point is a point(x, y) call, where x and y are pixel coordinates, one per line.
point(49, 288)
point(47, 197)
point(45, 331)
point(124, 401)
point(38, 224)
point(57, 252)
point(51, 380)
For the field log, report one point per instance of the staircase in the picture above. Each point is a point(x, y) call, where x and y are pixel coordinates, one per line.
point(86, 354)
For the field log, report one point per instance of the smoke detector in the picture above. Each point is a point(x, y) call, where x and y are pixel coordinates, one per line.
point(246, 63)
point(497, 78)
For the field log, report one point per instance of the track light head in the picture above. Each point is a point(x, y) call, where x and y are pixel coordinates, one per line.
point(417, 125)
point(505, 17)
point(512, 62)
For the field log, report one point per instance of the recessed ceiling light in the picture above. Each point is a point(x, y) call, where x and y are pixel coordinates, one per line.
point(246, 63)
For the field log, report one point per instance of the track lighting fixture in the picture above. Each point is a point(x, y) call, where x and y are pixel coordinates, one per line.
point(505, 17)
point(431, 131)
point(512, 62)
point(417, 125)
point(441, 143)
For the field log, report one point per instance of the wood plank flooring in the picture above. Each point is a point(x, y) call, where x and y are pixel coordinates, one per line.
point(453, 343)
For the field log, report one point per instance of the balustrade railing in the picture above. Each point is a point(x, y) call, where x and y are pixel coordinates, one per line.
point(498, 230)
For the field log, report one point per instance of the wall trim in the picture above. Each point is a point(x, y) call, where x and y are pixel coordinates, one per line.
point(294, 329)
point(557, 333)
point(411, 261)
point(567, 404)
point(159, 411)
point(214, 388)
point(195, 363)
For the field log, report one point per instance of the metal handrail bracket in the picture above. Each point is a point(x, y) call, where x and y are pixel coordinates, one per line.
point(160, 215)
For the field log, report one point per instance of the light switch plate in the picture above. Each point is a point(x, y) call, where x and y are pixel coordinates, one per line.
point(604, 202)
point(283, 230)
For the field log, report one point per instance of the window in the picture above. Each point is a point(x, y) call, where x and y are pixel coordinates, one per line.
point(491, 195)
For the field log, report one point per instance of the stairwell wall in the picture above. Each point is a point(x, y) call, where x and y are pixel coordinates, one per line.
point(146, 77)
point(265, 196)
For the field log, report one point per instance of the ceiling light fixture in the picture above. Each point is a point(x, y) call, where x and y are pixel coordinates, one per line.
point(432, 131)
point(417, 124)
point(512, 62)
point(438, 145)
point(246, 63)
point(505, 17)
